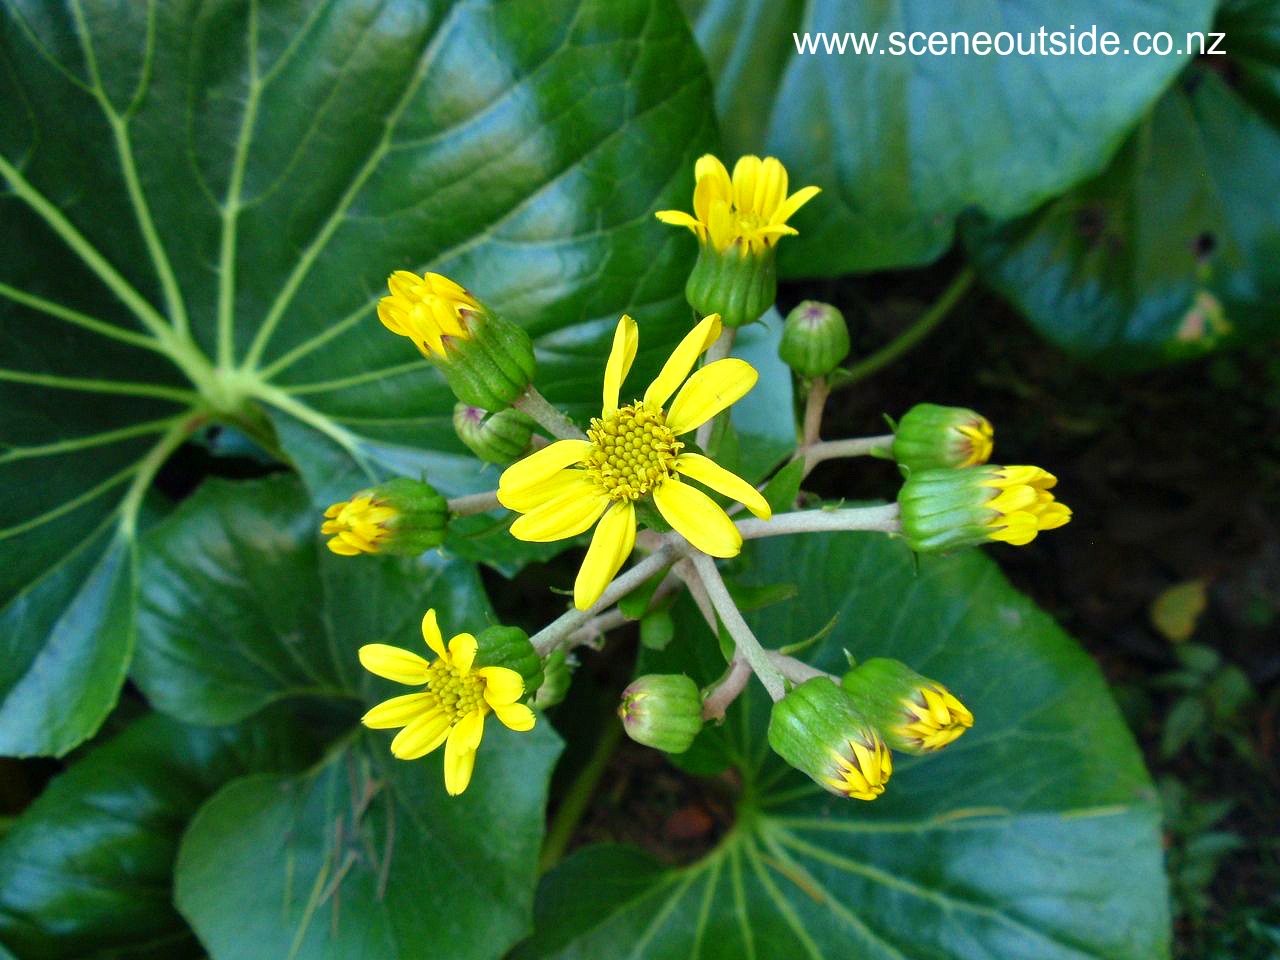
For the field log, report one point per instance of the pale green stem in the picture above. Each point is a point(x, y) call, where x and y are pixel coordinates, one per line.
point(474, 503)
point(548, 417)
point(883, 518)
point(823, 450)
point(744, 640)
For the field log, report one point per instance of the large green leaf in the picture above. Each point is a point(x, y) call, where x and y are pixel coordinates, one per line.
point(1034, 836)
point(86, 871)
point(199, 203)
point(242, 605)
point(369, 857)
point(902, 144)
point(1174, 249)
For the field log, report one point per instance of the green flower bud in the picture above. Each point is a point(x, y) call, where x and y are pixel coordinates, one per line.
point(509, 647)
point(818, 730)
point(487, 360)
point(738, 283)
point(500, 438)
point(663, 711)
point(947, 509)
point(557, 674)
point(913, 713)
point(402, 517)
point(930, 437)
point(815, 339)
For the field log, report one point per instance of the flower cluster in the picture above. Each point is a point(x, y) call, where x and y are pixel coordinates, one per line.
point(646, 474)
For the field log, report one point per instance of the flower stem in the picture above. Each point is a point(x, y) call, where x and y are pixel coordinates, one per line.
point(918, 330)
point(727, 690)
point(548, 417)
point(797, 671)
point(474, 503)
point(554, 634)
point(883, 518)
point(745, 641)
point(816, 453)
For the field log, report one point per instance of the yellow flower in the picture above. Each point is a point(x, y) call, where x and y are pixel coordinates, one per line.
point(631, 452)
point(357, 526)
point(1024, 505)
point(426, 309)
point(981, 441)
point(863, 769)
point(934, 718)
point(751, 209)
point(452, 706)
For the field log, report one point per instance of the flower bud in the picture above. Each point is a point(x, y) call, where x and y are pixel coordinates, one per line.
point(947, 509)
point(931, 437)
point(557, 674)
point(487, 360)
point(509, 647)
point(818, 730)
point(739, 283)
point(738, 221)
point(401, 517)
point(913, 713)
point(500, 437)
point(815, 339)
point(663, 711)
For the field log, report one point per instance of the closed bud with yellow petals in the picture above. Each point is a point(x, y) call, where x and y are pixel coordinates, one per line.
point(931, 437)
point(913, 713)
point(946, 509)
point(487, 360)
point(402, 517)
point(818, 729)
point(738, 221)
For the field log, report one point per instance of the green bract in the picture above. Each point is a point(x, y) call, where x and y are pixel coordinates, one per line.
point(495, 437)
point(738, 285)
point(663, 711)
point(509, 647)
point(815, 339)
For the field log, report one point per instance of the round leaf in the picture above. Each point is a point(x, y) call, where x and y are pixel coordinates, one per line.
point(199, 209)
point(1036, 835)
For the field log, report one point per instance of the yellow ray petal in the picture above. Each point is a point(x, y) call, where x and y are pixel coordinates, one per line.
point(462, 652)
point(421, 736)
point(431, 634)
point(393, 663)
point(681, 361)
point(501, 686)
point(566, 516)
point(399, 711)
point(625, 340)
point(558, 484)
point(542, 464)
point(460, 752)
point(516, 716)
point(342, 548)
point(722, 225)
point(697, 518)
point(713, 388)
point(794, 203)
point(745, 174)
point(719, 479)
point(611, 544)
point(678, 218)
point(771, 189)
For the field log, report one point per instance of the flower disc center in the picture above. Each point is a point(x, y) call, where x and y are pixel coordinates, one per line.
point(633, 451)
point(456, 695)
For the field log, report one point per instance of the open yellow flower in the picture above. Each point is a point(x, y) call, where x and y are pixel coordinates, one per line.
point(751, 208)
point(452, 708)
point(631, 452)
